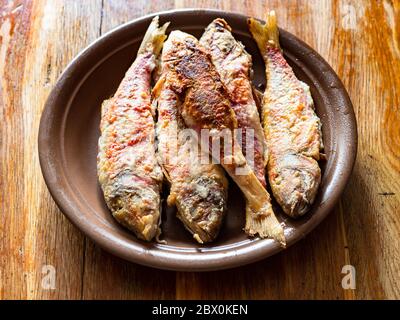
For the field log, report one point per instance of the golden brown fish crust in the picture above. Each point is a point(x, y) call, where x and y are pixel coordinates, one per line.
point(292, 129)
point(206, 105)
point(234, 65)
point(198, 190)
point(127, 166)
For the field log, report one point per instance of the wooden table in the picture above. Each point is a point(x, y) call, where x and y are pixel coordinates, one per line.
point(360, 39)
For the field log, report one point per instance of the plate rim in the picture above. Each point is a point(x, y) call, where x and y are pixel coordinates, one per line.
point(138, 253)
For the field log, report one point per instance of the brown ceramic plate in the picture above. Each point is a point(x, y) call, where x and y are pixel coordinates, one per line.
point(69, 131)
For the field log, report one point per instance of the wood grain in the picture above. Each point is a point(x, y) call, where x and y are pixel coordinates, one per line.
point(361, 41)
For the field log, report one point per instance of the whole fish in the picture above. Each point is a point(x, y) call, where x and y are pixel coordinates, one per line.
point(198, 190)
point(292, 129)
point(234, 66)
point(206, 106)
point(128, 171)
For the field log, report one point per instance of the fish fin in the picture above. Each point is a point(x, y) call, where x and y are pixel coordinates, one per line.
point(158, 235)
point(154, 37)
point(159, 231)
point(266, 226)
point(221, 23)
point(166, 174)
point(197, 238)
point(171, 199)
point(158, 87)
point(266, 35)
point(105, 106)
point(258, 97)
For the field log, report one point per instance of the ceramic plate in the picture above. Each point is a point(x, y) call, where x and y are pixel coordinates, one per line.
point(69, 131)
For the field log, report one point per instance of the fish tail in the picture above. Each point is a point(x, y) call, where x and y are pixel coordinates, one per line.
point(266, 35)
point(154, 37)
point(266, 226)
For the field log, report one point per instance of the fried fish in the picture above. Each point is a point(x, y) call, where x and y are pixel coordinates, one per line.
point(234, 65)
point(292, 129)
point(198, 190)
point(128, 171)
point(206, 105)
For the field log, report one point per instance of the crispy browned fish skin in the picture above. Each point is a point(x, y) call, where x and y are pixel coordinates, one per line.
point(198, 190)
point(206, 105)
point(292, 129)
point(127, 167)
point(234, 65)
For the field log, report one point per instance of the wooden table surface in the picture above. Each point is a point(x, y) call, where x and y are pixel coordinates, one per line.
point(361, 41)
